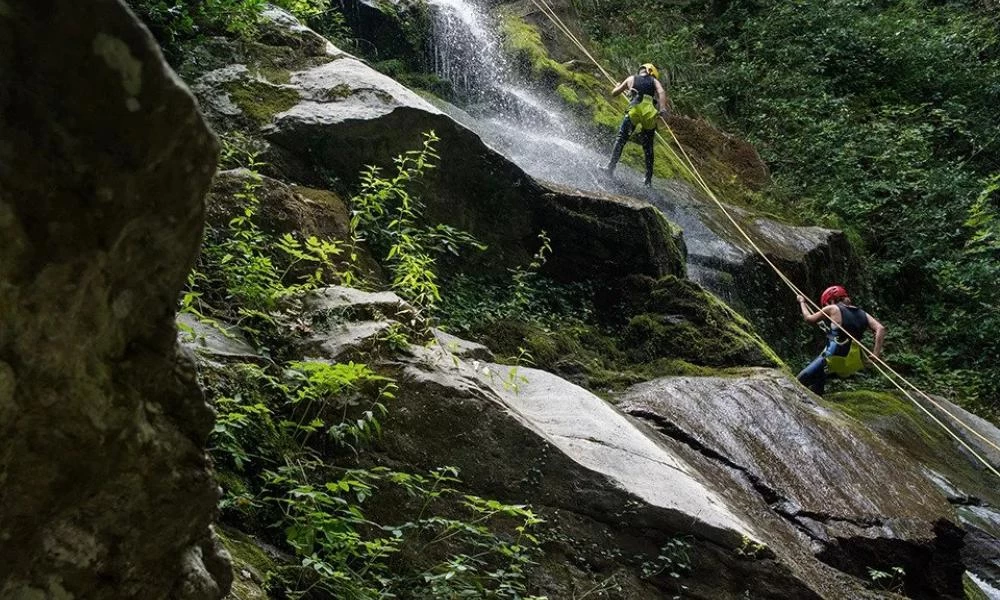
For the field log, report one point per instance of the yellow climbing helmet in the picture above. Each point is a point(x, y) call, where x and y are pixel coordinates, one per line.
point(651, 69)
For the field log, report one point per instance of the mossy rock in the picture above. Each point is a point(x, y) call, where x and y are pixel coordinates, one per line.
point(251, 565)
point(903, 424)
point(260, 100)
point(676, 318)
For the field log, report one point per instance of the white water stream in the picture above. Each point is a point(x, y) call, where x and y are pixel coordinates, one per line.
point(518, 120)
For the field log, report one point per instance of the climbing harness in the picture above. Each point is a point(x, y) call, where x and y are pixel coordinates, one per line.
point(688, 165)
point(643, 114)
point(842, 365)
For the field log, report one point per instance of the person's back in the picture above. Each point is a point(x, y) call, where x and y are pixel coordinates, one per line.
point(644, 86)
point(847, 322)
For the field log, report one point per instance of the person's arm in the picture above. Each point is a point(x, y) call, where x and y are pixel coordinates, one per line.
point(661, 98)
point(827, 312)
point(879, 330)
point(624, 85)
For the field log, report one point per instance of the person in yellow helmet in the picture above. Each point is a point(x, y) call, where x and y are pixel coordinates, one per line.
point(648, 101)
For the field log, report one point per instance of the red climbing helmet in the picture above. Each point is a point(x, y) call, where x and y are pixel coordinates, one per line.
point(832, 294)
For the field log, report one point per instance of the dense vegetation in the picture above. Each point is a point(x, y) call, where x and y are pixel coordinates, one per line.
point(878, 117)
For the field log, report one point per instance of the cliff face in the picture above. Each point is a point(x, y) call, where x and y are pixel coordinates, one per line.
point(104, 160)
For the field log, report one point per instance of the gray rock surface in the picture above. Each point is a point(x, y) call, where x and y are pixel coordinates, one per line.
point(608, 488)
point(858, 502)
point(463, 349)
point(105, 490)
point(214, 340)
point(966, 484)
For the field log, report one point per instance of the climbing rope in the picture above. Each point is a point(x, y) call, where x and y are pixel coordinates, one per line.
point(692, 171)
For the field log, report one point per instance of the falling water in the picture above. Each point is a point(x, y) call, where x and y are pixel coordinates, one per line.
point(520, 121)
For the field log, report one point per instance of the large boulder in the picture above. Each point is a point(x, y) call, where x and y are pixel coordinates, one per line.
point(104, 161)
point(324, 114)
point(778, 496)
point(614, 494)
point(810, 478)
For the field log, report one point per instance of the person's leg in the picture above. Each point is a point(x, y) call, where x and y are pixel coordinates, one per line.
point(647, 148)
point(624, 132)
point(814, 375)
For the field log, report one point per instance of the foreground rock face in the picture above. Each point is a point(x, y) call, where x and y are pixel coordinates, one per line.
point(105, 491)
point(772, 495)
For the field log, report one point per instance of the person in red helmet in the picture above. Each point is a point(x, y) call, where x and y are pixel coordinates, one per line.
point(841, 356)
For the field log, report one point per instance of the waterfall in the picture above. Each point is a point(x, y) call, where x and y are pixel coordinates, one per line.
point(466, 49)
point(524, 123)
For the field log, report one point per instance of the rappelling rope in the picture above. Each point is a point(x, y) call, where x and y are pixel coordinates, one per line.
point(689, 166)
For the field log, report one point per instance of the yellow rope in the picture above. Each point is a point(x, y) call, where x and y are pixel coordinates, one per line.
point(689, 166)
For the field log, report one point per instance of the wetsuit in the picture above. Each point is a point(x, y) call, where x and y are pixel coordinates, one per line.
point(854, 321)
point(645, 87)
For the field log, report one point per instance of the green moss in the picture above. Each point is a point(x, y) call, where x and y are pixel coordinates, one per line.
point(524, 43)
point(243, 549)
point(276, 75)
point(867, 405)
point(972, 591)
point(247, 557)
point(676, 318)
point(260, 100)
point(231, 483)
point(567, 93)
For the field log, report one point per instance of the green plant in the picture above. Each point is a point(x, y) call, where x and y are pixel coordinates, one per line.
point(750, 549)
point(244, 273)
point(674, 561)
point(387, 214)
point(524, 278)
point(889, 581)
point(177, 22)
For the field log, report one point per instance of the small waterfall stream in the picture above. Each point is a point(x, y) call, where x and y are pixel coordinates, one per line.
point(522, 122)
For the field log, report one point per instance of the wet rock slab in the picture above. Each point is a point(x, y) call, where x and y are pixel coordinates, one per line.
point(844, 493)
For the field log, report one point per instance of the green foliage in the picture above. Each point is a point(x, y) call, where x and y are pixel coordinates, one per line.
point(889, 581)
point(473, 302)
point(244, 273)
point(290, 441)
point(750, 549)
point(302, 492)
point(673, 561)
point(387, 214)
point(175, 23)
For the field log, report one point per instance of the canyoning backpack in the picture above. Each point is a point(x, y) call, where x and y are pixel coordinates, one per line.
point(845, 359)
point(643, 110)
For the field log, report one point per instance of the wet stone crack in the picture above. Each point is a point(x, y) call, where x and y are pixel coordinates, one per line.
point(772, 497)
